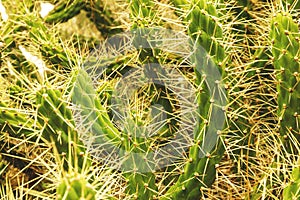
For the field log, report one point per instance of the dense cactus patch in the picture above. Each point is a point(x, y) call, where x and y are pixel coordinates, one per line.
point(148, 99)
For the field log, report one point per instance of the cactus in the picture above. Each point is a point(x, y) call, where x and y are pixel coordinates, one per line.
point(97, 12)
point(56, 118)
point(201, 171)
point(142, 184)
point(285, 46)
point(189, 179)
point(107, 135)
point(51, 49)
point(283, 35)
point(232, 35)
point(248, 80)
point(15, 123)
point(85, 96)
point(64, 11)
point(75, 187)
point(291, 191)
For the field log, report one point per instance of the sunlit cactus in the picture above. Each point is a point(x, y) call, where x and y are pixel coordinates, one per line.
point(179, 99)
point(285, 50)
point(75, 188)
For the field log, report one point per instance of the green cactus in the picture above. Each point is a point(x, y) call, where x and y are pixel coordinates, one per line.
point(143, 15)
point(90, 106)
point(64, 11)
point(96, 121)
point(39, 34)
point(200, 171)
point(58, 127)
point(292, 190)
point(51, 49)
point(16, 123)
point(75, 187)
point(285, 50)
point(97, 12)
point(284, 35)
point(142, 184)
point(85, 96)
point(27, 110)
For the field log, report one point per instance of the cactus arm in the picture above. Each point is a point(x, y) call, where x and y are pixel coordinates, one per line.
point(200, 171)
point(285, 49)
point(64, 11)
point(142, 184)
point(15, 123)
point(56, 118)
